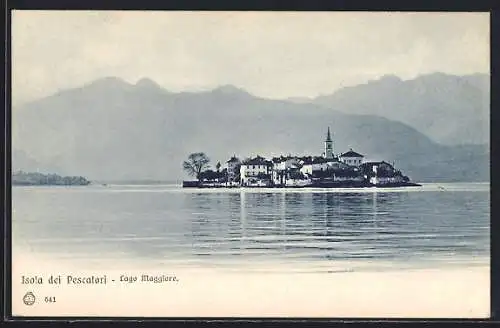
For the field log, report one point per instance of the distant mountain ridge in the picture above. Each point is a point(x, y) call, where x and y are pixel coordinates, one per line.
point(113, 130)
point(451, 110)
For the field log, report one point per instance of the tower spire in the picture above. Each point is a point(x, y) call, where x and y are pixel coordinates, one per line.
point(328, 146)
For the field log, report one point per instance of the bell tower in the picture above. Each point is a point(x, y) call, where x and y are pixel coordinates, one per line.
point(328, 146)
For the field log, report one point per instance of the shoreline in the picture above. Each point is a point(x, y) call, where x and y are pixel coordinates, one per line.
point(176, 187)
point(202, 185)
point(179, 184)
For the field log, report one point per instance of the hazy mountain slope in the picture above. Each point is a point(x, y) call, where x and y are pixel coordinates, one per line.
point(112, 130)
point(450, 109)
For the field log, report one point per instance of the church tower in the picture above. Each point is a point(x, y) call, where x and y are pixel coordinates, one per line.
point(328, 146)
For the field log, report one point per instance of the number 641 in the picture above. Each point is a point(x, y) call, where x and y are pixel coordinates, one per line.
point(50, 299)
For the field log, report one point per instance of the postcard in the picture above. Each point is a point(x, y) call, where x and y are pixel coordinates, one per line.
point(183, 164)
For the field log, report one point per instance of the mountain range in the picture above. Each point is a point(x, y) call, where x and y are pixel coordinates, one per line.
point(450, 109)
point(434, 128)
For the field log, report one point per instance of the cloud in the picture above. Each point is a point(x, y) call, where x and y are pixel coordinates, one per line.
point(271, 54)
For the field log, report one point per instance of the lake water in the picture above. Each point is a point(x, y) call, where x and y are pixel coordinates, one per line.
point(325, 230)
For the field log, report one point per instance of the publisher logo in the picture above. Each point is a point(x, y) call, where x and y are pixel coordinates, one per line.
point(29, 298)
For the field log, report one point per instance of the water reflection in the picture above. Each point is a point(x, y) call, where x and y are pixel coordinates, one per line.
point(328, 226)
point(247, 226)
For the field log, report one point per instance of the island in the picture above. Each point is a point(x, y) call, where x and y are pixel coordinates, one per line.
point(330, 170)
point(21, 178)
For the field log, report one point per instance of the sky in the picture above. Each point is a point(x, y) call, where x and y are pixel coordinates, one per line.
point(269, 54)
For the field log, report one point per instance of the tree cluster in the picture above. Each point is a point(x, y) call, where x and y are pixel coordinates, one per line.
point(197, 165)
point(36, 178)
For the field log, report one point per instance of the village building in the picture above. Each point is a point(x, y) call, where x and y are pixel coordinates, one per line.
point(285, 162)
point(313, 164)
point(349, 174)
point(284, 168)
point(233, 169)
point(377, 168)
point(256, 172)
point(296, 178)
point(351, 158)
point(381, 173)
point(347, 169)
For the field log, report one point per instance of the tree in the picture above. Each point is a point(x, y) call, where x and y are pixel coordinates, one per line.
point(195, 164)
point(217, 167)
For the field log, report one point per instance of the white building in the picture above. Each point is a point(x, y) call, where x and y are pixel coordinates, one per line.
point(282, 166)
point(283, 163)
point(314, 164)
point(351, 158)
point(385, 180)
point(255, 172)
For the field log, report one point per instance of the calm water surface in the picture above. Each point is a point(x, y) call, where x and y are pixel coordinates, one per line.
point(435, 225)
